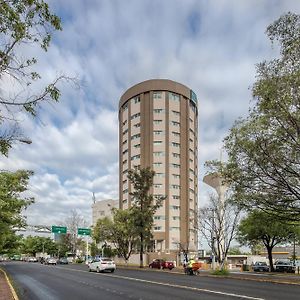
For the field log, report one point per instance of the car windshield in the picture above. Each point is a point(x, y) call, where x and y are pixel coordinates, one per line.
point(261, 263)
point(106, 259)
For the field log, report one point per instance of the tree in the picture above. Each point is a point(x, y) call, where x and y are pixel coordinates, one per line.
point(23, 24)
point(12, 185)
point(143, 205)
point(259, 226)
point(218, 222)
point(264, 149)
point(73, 222)
point(120, 231)
point(34, 244)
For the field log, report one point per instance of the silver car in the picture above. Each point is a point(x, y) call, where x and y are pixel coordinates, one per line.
point(102, 264)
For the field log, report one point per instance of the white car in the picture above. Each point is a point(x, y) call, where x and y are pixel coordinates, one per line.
point(32, 259)
point(102, 264)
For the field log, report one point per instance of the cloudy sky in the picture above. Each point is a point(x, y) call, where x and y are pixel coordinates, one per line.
point(110, 45)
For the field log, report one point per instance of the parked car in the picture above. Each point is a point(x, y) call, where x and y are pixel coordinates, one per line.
point(260, 266)
point(284, 266)
point(102, 264)
point(161, 264)
point(63, 261)
point(32, 259)
point(50, 261)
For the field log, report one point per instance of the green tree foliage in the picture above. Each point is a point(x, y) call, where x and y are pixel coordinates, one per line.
point(12, 185)
point(23, 24)
point(264, 149)
point(34, 244)
point(120, 231)
point(143, 206)
point(259, 226)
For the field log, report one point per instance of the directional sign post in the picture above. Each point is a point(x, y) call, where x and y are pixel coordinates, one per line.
point(59, 229)
point(84, 231)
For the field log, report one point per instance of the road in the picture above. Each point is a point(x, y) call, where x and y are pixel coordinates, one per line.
point(35, 281)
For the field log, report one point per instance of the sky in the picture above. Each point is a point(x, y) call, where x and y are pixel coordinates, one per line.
point(109, 45)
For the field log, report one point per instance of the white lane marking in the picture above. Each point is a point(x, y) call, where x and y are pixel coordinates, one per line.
point(175, 285)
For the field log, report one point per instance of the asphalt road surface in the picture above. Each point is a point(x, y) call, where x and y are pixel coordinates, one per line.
point(35, 281)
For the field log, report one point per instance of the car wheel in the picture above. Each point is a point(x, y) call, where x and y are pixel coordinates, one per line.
point(112, 270)
point(98, 270)
point(90, 270)
point(161, 267)
point(150, 267)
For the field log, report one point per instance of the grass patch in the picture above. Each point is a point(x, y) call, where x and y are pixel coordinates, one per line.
point(222, 272)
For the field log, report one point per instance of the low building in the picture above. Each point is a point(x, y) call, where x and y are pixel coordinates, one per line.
point(102, 209)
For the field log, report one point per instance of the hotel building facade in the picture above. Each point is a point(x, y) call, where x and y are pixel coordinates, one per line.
point(158, 128)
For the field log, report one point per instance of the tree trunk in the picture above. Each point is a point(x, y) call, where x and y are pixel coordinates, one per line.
point(269, 249)
point(141, 251)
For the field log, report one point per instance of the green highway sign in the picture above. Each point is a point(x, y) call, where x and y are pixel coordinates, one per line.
point(59, 229)
point(84, 231)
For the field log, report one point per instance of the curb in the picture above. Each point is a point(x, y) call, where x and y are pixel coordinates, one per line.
point(216, 276)
point(15, 296)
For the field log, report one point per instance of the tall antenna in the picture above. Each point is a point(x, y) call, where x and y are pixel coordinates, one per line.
point(94, 198)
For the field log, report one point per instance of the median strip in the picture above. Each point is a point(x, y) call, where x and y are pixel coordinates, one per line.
point(14, 294)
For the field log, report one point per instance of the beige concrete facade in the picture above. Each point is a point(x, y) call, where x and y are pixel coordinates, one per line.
point(102, 209)
point(158, 121)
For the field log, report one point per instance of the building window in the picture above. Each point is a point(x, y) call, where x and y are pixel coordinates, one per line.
point(175, 207)
point(158, 196)
point(175, 144)
point(174, 123)
point(125, 171)
point(191, 151)
point(135, 116)
point(124, 201)
point(137, 125)
point(176, 113)
point(191, 131)
point(174, 228)
point(124, 142)
point(157, 122)
point(124, 181)
point(125, 191)
point(157, 95)
point(176, 197)
point(177, 155)
point(136, 99)
point(173, 96)
point(177, 134)
point(158, 153)
point(125, 131)
point(136, 157)
point(159, 218)
point(158, 110)
point(124, 161)
point(177, 176)
point(157, 185)
point(124, 122)
point(125, 151)
point(175, 166)
point(175, 186)
point(158, 132)
point(159, 174)
point(137, 146)
point(176, 218)
point(157, 228)
point(135, 136)
point(157, 164)
point(157, 143)
point(125, 106)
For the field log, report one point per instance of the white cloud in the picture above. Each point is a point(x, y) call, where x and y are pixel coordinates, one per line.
point(210, 46)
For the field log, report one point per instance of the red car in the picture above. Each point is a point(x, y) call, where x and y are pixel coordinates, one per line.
point(161, 264)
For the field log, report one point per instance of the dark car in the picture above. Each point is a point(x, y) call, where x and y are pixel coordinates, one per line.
point(63, 261)
point(161, 264)
point(284, 266)
point(260, 266)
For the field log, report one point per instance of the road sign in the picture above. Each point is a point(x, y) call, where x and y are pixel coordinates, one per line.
point(84, 231)
point(59, 229)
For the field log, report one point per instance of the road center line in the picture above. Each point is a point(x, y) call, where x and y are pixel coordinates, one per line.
point(176, 286)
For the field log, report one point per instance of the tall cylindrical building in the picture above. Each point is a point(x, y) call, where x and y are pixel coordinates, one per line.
point(158, 122)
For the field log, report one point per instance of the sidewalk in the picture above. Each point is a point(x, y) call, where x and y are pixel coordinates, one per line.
point(5, 290)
